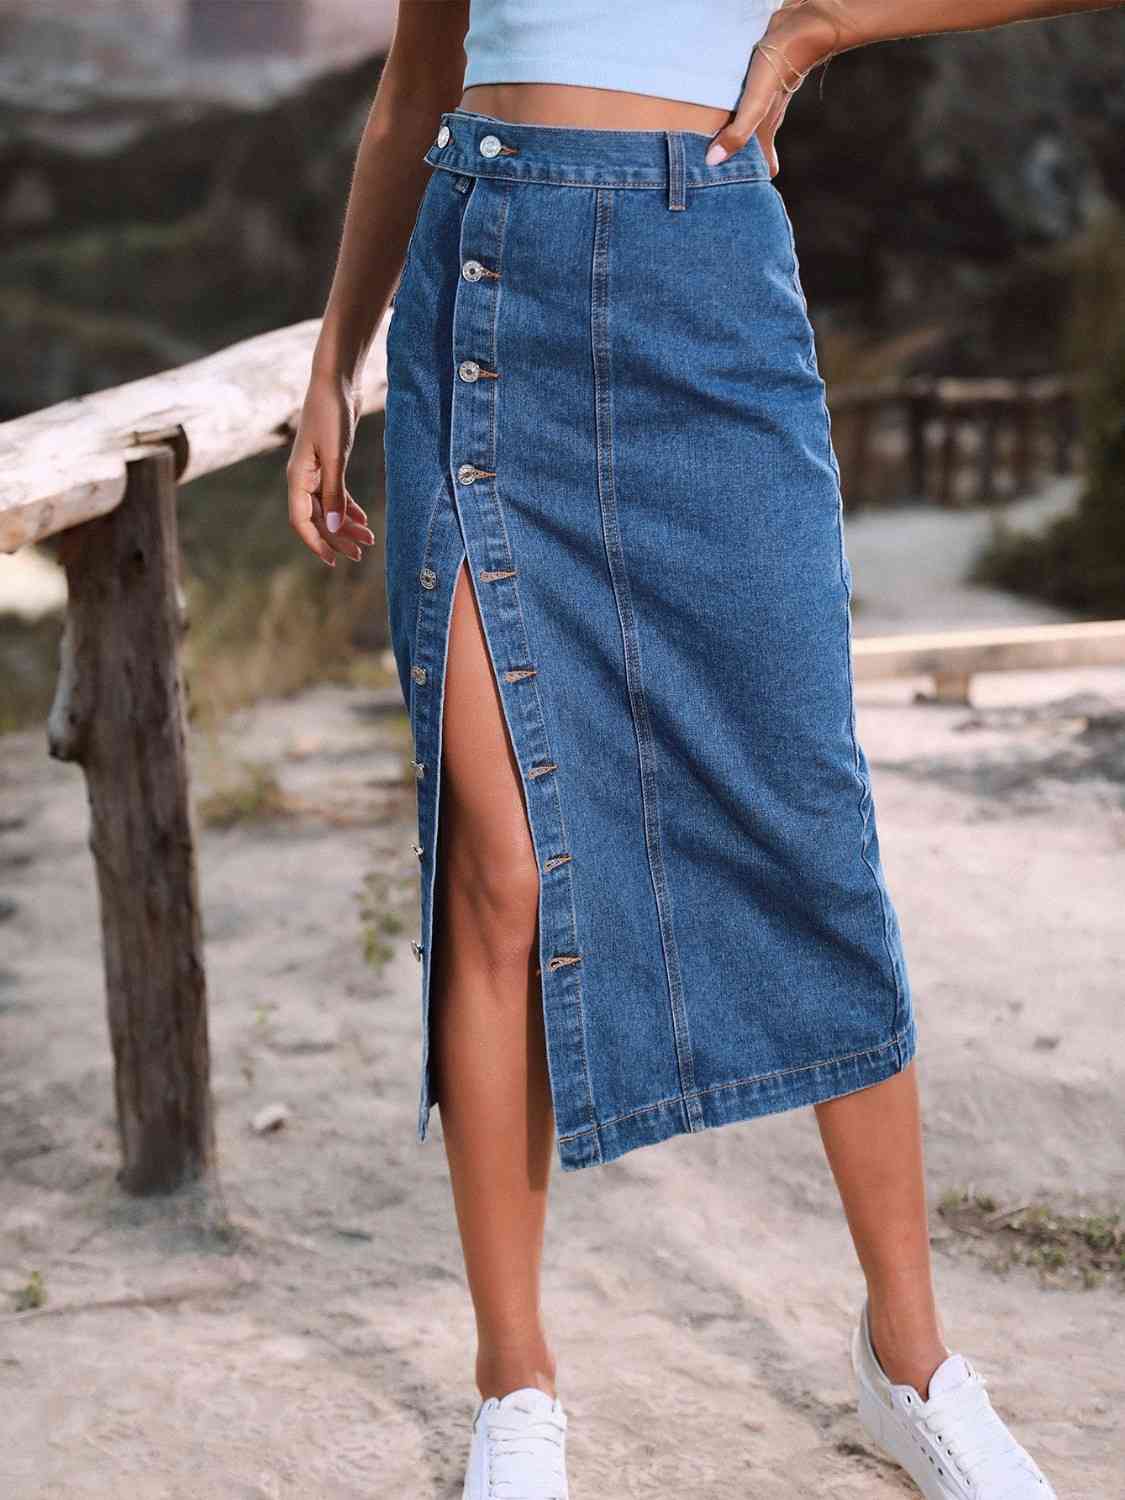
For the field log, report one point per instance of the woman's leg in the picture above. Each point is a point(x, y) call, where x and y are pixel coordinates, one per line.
point(489, 1050)
point(873, 1139)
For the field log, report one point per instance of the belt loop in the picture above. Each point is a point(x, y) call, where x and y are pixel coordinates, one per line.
point(675, 141)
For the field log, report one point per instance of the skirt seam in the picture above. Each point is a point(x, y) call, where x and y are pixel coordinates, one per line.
point(865, 797)
point(895, 1041)
point(589, 1106)
point(634, 685)
point(551, 181)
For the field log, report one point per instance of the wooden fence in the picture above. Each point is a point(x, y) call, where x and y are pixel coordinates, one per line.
point(949, 439)
point(104, 470)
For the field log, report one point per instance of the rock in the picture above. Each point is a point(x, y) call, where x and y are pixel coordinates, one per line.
point(270, 1118)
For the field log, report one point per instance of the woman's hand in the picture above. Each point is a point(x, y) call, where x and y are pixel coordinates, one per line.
point(321, 511)
point(801, 34)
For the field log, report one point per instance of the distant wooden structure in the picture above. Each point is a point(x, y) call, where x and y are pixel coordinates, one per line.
point(104, 470)
point(951, 426)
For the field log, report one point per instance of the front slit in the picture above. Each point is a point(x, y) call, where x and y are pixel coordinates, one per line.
point(473, 528)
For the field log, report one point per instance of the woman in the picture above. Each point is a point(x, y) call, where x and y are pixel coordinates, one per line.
point(659, 905)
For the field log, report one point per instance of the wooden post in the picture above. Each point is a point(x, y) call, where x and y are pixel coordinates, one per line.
point(1024, 414)
point(947, 493)
point(1065, 423)
point(119, 713)
point(859, 455)
point(988, 419)
point(918, 407)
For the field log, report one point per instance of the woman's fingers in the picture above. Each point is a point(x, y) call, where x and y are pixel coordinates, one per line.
point(353, 531)
point(758, 97)
point(767, 133)
point(303, 480)
point(801, 34)
point(307, 514)
point(356, 511)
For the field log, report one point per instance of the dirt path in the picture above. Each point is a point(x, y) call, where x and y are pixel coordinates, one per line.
point(317, 1340)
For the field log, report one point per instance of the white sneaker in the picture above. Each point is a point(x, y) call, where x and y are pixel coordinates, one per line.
point(518, 1450)
point(953, 1445)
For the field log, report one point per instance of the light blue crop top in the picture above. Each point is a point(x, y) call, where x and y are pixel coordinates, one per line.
point(694, 50)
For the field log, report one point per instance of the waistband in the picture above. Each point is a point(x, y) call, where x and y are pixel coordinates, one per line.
point(479, 145)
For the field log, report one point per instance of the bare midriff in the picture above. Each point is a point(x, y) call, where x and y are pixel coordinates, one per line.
point(590, 108)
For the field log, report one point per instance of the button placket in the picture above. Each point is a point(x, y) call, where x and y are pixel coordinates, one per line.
point(478, 309)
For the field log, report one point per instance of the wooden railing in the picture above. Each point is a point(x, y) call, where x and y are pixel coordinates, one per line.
point(947, 439)
point(104, 471)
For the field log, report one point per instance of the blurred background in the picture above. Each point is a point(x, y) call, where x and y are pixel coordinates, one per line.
point(173, 175)
point(172, 180)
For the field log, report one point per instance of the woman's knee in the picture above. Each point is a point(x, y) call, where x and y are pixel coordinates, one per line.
point(496, 887)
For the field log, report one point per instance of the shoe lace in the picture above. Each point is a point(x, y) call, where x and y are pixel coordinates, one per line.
point(525, 1459)
point(970, 1432)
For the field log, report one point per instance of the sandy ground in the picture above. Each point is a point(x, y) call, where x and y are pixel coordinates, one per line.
point(304, 1330)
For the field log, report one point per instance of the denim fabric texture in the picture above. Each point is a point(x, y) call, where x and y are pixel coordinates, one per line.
point(650, 505)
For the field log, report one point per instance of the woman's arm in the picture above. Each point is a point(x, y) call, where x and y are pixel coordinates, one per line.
point(804, 33)
point(423, 75)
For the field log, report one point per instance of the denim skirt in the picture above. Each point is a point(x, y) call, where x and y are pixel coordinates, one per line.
point(603, 392)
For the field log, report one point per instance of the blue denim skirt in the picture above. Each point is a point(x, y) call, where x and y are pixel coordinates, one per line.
point(603, 392)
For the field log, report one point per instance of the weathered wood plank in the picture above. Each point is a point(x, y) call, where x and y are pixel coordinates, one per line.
point(66, 464)
point(954, 653)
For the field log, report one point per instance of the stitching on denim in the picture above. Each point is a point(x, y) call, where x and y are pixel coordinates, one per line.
point(677, 196)
point(451, 115)
point(427, 553)
point(542, 769)
point(865, 806)
point(619, 582)
point(660, 185)
point(897, 1041)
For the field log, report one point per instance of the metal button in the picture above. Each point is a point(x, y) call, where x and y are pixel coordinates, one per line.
point(468, 369)
point(418, 674)
point(417, 850)
point(443, 136)
point(416, 949)
point(490, 145)
point(419, 769)
point(428, 578)
point(472, 270)
point(467, 473)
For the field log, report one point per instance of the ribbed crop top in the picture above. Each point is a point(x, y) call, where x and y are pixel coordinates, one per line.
point(693, 50)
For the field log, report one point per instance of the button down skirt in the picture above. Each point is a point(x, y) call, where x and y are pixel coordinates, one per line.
point(603, 392)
